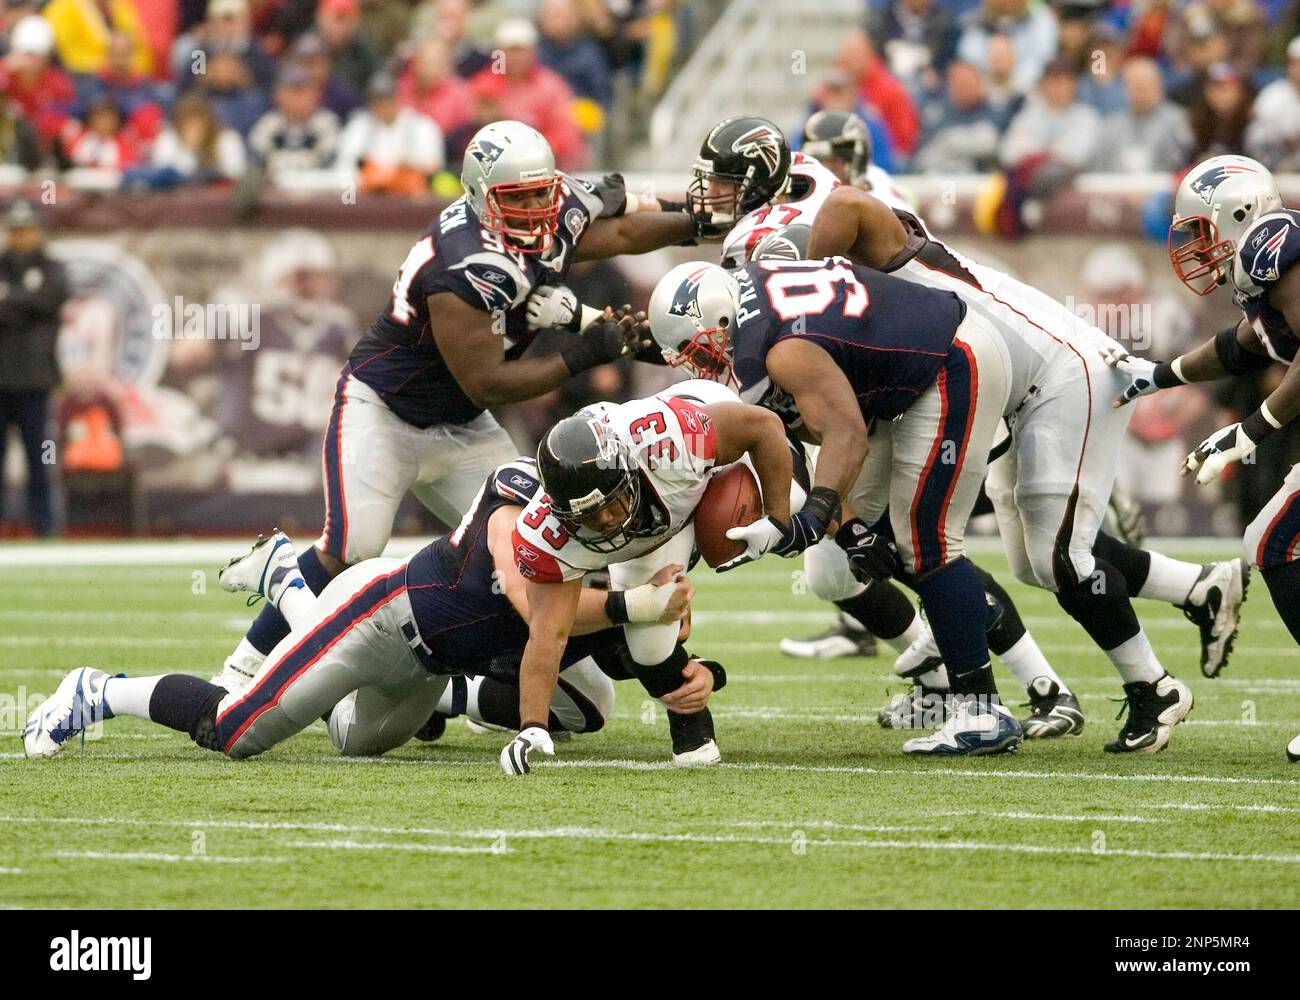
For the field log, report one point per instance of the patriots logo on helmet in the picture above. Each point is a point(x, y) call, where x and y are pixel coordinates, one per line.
point(686, 301)
point(1207, 183)
point(487, 154)
point(760, 141)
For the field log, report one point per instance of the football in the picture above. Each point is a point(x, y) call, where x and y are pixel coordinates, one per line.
point(731, 499)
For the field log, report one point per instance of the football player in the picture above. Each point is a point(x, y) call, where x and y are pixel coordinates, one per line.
point(620, 493)
point(1231, 229)
point(411, 404)
point(1050, 491)
point(374, 653)
point(846, 348)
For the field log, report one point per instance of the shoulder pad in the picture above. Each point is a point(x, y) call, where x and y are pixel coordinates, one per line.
point(1269, 247)
point(499, 281)
point(517, 481)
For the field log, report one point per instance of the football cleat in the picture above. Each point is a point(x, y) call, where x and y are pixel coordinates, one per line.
point(265, 570)
point(977, 727)
point(1153, 711)
point(483, 728)
point(845, 638)
point(1293, 750)
point(432, 729)
point(702, 756)
point(919, 658)
point(77, 703)
point(1053, 712)
point(1214, 607)
point(921, 708)
point(238, 671)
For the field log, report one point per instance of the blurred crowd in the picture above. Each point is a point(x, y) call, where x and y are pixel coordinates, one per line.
point(308, 94)
point(1042, 90)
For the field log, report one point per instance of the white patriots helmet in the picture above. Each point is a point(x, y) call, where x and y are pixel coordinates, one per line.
point(692, 314)
point(1216, 202)
point(511, 158)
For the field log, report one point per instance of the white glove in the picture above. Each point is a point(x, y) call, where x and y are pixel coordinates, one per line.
point(1232, 444)
point(759, 537)
point(1141, 372)
point(552, 305)
point(514, 756)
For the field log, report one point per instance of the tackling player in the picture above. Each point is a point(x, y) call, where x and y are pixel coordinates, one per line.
point(845, 348)
point(1230, 228)
point(411, 405)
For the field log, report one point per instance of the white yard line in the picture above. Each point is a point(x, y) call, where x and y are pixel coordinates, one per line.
point(356, 845)
point(216, 859)
point(1053, 817)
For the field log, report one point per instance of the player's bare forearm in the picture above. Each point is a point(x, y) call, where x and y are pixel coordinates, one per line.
point(552, 607)
point(1202, 364)
point(856, 225)
point(1284, 401)
point(743, 429)
point(829, 408)
point(639, 232)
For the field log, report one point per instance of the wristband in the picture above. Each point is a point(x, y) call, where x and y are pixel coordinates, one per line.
point(667, 205)
point(631, 204)
point(1167, 375)
point(1260, 424)
point(644, 604)
point(823, 503)
point(616, 607)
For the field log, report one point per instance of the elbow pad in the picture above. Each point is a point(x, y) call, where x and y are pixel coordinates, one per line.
point(1236, 360)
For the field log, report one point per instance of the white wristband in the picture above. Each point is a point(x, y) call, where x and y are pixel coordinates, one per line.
point(1267, 414)
point(587, 316)
point(647, 602)
point(1177, 367)
point(632, 205)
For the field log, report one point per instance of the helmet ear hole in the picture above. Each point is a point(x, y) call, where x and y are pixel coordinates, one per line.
point(1240, 214)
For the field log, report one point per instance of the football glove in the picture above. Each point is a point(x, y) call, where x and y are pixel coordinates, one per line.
point(553, 305)
point(1232, 444)
point(600, 344)
point(514, 756)
point(769, 535)
point(872, 556)
point(1145, 377)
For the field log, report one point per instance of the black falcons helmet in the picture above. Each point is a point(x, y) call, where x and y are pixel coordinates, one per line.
point(839, 134)
point(749, 152)
point(585, 467)
point(786, 243)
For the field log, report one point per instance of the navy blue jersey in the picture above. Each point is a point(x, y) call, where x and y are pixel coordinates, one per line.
point(1268, 249)
point(889, 336)
point(460, 606)
point(398, 357)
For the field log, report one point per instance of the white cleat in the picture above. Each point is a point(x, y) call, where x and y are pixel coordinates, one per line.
point(1214, 607)
point(702, 756)
point(264, 570)
point(977, 727)
point(77, 703)
point(920, 657)
point(1293, 750)
point(484, 728)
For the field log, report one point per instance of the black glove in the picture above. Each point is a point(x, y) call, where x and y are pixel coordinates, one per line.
point(600, 344)
point(872, 557)
point(804, 530)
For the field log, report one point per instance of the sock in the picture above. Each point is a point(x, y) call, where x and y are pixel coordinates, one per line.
point(181, 701)
point(1026, 662)
point(936, 679)
point(954, 603)
point(1133, 563)
point(1136, 660)
point(977, 682)
point(270, 626)
point(1284, 587)
point(295, 604)
point(882, 609)
point(129, 696)
point(690, 732)
point(494, 702)
point(1170, 580)
point(313, 570)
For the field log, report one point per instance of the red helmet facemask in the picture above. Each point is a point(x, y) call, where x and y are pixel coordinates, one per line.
point(1199, 255)
point(530, 230)
point(706, 355)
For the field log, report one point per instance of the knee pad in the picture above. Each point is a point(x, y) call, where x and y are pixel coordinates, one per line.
point(828, 573)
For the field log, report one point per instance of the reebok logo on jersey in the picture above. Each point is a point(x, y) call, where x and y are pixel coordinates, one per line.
point(1266, 263)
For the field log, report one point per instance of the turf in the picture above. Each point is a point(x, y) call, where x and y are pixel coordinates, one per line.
point(814, 806)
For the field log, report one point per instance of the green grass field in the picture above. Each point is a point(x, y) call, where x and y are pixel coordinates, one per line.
point(814, 806)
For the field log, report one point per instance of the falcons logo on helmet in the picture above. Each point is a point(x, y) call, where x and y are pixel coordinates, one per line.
point(1207, 183)
point(760, 142)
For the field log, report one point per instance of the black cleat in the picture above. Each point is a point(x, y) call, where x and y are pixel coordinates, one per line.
point(1053, 713)
point(1153, 711)
point(433, 729)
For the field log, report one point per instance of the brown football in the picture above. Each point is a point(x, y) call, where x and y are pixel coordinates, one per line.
point(730, 500)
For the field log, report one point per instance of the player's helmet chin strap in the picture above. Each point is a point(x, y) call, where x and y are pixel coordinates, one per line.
point(1200, 259)
point(611, 539)
point(530, 230)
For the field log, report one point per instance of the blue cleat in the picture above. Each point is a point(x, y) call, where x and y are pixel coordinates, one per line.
point(977, 727)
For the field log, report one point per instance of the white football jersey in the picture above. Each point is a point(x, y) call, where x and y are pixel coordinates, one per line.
point(672, 438)
point(746, 234)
